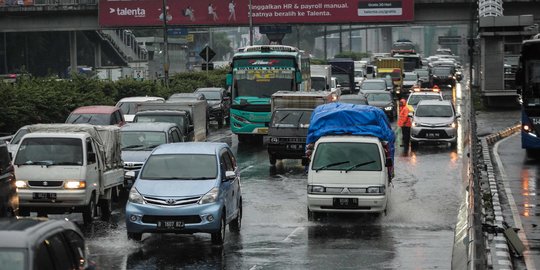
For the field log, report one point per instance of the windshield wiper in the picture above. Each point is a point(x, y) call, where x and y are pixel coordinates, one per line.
point(298, 122)
point(152, 146)
point(66, 163)
point(202, 178)
point(359, 165)
point(41, 162)
point(330, 165)
point(132, 146)
point(283, 118)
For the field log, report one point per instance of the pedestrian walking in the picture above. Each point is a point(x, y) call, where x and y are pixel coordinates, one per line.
point(405, 123)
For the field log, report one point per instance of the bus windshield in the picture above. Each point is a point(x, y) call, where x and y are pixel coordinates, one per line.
point(262, 77)
point(531, 94)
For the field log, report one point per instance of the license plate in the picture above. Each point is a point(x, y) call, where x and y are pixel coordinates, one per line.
point(170, 224)
point(295, 146)
point(432, 135)
point(345, 202)
point(262, 130)
point(44, 196)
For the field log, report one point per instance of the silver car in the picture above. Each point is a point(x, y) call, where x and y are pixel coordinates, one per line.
point(434, 121)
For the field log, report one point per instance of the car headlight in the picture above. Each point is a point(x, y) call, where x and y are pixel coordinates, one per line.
point(75, 184)
point(135, 196)
point(274, 140)
point(375, 190)
point(216, 106)
point(129, 174)
point(453, 125)
point(316, 189)
point(21, 184)
point(210, 197)
point(415, 124)
point(240, 119)
point(388, 108)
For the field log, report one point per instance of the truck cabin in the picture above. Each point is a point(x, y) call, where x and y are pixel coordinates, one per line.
point(180, 118)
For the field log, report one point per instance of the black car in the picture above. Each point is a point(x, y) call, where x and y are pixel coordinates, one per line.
point(384, 101)
point(9, 201)
point(219, 103)
point(443, 76)
point(37, 243)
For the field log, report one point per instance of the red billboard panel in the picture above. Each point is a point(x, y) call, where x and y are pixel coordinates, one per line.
point(115, 13)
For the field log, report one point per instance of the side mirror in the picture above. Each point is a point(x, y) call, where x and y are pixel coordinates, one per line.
point(389, 162)
point(338, 86)
point(230, 175)
point(91, 157)
point(228, 79)
point(410, 114)
point(298, 77)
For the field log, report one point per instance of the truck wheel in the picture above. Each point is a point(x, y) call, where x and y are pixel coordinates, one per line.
point(272, 159)
point(115, 194)
point(228, 120)
point(220, 122)
point(236, 224)
point(312, 216)
point(89, 211)
point(24, 212)
point(134, 236)
point(242, 138)
point(218, 238)
point(105, 205)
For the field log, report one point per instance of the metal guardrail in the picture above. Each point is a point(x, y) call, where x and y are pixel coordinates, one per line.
point(64, 2)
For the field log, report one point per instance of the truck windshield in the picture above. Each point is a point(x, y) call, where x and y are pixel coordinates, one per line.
point(14, 259)
point(142, 140)
point(180, 166)
point(350, 156)
point(128, 107)
point(18, 136)
point(89, 118)
point(318, 83)
point(373, 86)
point(176, 119)
point(291, 119)
point(342, 79)
point(50, 151)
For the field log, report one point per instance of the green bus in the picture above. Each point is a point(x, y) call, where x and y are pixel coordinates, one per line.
point(256, 73)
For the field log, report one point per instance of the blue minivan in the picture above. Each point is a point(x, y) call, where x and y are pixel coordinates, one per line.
point(186, 188)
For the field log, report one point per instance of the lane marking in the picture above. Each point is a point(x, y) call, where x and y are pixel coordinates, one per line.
point(293, 234)
point(515, 213)
point(246, 168)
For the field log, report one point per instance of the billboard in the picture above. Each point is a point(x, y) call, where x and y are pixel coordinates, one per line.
point(123, 13)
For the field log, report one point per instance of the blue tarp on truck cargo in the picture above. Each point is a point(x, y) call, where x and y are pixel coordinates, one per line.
point(350, 119)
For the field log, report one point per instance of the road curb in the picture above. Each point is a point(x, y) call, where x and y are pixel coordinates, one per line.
point(500, 256)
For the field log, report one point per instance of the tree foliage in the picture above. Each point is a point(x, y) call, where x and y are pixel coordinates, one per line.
point(354, 55)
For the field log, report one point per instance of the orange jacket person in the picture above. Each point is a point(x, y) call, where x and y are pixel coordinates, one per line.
point(405, 123)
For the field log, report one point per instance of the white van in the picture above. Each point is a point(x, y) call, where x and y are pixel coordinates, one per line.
point(349, 174)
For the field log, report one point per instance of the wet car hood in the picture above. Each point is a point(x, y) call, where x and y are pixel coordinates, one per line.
point(435, 121)
point(212, 102)
point(174, 188)
point(135, 156)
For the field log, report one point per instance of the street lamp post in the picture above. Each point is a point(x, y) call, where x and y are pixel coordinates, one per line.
point(250, 25)
point(165, 46)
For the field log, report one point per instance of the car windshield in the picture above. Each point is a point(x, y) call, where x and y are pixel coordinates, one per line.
point(379, 97)
point(353, 99)
point(13, 259)
point(18, 136)
point(141, 140)
point(176, 119)
point(318, 83)
point(434, 111)
point(410, 77)
point(373, 86)
point(211, 95)
point(291, 119)
point(180, 166)
point(441, 71)
point(338, 156)
point(50, 151)
point(414, 99)
point(89, 118)
point(128, 107)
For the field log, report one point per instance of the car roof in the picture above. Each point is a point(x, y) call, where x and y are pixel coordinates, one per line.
point(434, 102)
point(24, 232)
point(208, 148)
point(99, 109)
point(177, 95)
point(144, 126)
point(373, 80)
point(159, 112)
point(139, 99)
point(378, 92)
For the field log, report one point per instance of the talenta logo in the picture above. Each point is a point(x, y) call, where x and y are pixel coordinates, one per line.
point(135, 12)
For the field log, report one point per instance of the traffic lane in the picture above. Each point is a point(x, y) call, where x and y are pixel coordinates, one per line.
point(521, 181)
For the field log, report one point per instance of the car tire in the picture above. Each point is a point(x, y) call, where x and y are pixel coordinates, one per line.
point(134, 236)
point(89, 211)
point(312, 216)
point(228, 120)
point(236, 224)
point(106, 208)
point(218, 238)
point(220, 122)
point(242, 138)
point(453, 145)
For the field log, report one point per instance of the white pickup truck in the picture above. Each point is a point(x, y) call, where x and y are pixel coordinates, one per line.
point(69, 168)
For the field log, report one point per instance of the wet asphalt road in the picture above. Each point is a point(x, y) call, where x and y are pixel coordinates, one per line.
point(417, 232)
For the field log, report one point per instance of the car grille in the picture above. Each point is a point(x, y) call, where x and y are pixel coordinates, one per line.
point(433, 125)
point(345, 191)
point(433, 134)
point(186, 219)
point(170, 202)
point(45, 183)
point(132, 165)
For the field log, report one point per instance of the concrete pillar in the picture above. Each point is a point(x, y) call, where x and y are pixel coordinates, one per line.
point(97, 54)
point(73, 51)
point(386, 36)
